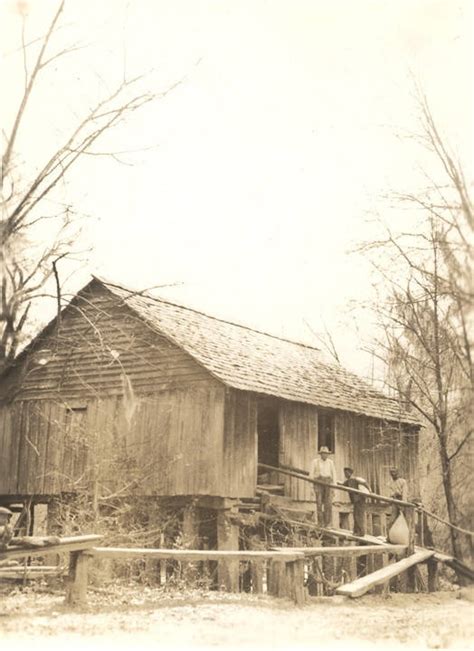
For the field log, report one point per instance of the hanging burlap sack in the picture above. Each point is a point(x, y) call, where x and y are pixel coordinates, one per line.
point(398, 533)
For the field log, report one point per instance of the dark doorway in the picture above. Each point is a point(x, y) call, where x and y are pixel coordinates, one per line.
point(268, 433)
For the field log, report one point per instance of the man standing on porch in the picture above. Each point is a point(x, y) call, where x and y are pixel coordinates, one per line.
point(358, 501)
point(322, 469)
point(399, 491)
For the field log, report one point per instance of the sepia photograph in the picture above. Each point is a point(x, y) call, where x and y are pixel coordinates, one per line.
point(236, 324)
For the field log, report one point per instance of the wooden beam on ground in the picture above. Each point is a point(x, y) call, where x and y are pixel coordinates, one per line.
point(347, 551)
point(69, 544)
point(361, 586)
point(193, 555)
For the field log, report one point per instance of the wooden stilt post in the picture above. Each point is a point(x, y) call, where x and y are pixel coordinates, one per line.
point(227, 539)
point(163, 562)
point(190, 539)
point(78, 577)
point(432, 575)
point(53, 528)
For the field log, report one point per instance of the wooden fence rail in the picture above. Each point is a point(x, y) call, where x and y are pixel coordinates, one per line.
point(68, 544)
point(348, 551)
point(286, 566)
point(285, 577)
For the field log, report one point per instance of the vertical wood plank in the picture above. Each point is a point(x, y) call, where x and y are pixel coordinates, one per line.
point(76, 594)
point(277, 579)
point(256, 576)
point(22, 424)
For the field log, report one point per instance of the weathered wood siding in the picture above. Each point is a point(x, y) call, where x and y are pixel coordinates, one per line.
point(366, 444)
point(370, 447)
point(101, 344)
point(115, 404)
point(298, 445)
point(240, 444)
point(168, 443)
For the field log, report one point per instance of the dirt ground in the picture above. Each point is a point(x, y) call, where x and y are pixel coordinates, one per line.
point(131, 617)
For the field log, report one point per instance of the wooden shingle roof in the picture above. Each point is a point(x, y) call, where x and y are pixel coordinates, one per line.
point(249, 360)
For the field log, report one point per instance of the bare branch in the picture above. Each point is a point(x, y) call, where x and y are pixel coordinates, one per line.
point(26, 95)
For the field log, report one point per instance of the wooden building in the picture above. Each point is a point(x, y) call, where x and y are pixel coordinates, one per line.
point(132, 394)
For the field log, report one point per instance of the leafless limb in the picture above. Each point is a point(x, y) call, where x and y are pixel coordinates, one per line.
point(25, 199)
point(326, 340)
point(426, 314)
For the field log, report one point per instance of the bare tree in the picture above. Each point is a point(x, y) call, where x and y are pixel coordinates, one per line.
point(428, 309)
point(26, 266)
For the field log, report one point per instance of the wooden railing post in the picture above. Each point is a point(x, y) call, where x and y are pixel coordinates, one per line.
point(410, 516)
point(295, 581)
point(76, 594)
point(411, 522)
point(277, 579)
point(256, 576)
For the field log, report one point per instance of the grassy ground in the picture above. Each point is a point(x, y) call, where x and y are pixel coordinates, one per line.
point(132, 617)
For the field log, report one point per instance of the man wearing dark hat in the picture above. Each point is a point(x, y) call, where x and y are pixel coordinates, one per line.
point(358, 501)
point(322, 469)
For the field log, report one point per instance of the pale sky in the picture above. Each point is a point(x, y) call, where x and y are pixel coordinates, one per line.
point(266, 160)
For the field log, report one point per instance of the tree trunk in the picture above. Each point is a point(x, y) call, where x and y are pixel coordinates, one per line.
point(455, 536)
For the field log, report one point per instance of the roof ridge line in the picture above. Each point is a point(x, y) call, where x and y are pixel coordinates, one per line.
point(144, 293)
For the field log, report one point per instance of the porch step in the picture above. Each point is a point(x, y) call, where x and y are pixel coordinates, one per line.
point(301, 515)
point(287, 508)
point(271, 489)
point(249, 504)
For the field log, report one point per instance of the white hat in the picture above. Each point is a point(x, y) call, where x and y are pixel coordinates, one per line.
point(325, 449)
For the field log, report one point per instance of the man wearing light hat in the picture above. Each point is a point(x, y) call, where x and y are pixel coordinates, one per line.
point(322, 469)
